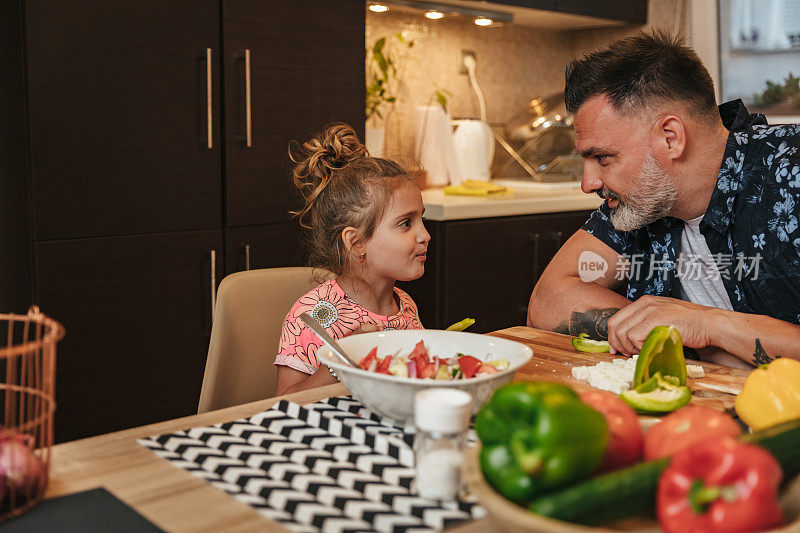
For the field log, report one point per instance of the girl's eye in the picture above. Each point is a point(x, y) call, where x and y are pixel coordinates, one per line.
point(405, 223)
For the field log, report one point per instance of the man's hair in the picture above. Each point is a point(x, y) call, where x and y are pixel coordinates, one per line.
point(640, 72)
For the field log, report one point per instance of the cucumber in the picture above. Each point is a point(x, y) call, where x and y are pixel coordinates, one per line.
point(632, 491)
point(783, 442)
point(613, 496)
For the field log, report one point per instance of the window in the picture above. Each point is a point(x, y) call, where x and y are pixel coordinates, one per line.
point(760, 56)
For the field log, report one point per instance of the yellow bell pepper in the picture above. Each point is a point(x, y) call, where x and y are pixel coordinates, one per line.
point(771, 394)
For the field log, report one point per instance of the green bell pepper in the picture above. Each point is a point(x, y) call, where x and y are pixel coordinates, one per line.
point(662, 352)
point(658, 395)
point(583, 343)
point(537, 436)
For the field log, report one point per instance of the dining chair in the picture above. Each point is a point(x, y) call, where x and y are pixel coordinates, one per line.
point(248, 316)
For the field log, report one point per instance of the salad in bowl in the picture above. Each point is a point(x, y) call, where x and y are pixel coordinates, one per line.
point(395, 365)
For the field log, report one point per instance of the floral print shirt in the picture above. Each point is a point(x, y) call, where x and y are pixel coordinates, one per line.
point(750, 225)
point(340, 316)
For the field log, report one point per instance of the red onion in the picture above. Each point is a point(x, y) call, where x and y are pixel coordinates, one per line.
point(22, 474)
point(412, 369)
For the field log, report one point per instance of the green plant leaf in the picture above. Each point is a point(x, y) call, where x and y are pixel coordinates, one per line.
point(378, 46)
point(382, 64)
point(442, 99)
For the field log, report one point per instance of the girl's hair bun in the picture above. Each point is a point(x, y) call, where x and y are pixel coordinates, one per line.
point(335, 148)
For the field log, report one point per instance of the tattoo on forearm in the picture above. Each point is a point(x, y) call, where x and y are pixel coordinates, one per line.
point(760, 357)
point(562, 328)
point(593, 322)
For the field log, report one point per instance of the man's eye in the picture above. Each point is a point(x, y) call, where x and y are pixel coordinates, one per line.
point(601, 159)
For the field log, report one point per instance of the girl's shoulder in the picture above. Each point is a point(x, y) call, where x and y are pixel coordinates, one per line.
point(325, 295)
point(328, 304)
point(407, 301)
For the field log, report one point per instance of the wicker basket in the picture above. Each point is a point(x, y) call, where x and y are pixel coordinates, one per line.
point(27, 403)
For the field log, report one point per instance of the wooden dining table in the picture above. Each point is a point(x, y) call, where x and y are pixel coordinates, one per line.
point(175, 500)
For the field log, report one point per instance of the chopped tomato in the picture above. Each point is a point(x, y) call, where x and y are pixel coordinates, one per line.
point(440, 360)
point(419, 350)
point(383, 366)
point(469, 365)
point(487, 369)
point(367, 360)
point(426, 372)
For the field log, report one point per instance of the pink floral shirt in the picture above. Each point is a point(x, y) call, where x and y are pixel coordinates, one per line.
point(340, 316)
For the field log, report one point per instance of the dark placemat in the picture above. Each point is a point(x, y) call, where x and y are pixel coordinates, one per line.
point(88, 511)
point(330, 466)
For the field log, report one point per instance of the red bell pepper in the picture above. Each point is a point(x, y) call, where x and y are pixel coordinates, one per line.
point(719, 485)
point(367, 359)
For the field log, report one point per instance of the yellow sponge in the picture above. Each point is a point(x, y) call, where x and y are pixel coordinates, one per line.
point(477, 188)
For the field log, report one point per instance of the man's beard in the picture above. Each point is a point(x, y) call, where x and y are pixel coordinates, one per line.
point(651, 198)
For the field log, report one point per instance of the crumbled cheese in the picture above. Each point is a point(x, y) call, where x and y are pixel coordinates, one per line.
point(615, 376)
point(695, 371)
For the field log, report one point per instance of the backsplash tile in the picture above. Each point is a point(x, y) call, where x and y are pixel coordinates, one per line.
point(515, 63)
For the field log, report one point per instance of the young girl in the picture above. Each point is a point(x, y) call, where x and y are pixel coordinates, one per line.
point(365, 217)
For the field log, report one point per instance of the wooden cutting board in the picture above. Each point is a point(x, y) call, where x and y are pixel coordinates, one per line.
point(554, 357)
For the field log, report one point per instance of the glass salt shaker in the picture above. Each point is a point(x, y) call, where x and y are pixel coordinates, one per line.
point(442, 420)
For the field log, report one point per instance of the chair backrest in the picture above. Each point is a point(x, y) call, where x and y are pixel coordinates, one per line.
point(249, 313)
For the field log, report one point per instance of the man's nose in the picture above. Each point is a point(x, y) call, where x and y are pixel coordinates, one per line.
point(591, 182)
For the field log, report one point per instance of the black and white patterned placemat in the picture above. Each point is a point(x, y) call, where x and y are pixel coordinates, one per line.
point(329, 466)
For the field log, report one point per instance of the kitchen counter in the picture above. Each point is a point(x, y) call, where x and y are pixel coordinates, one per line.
point(528, 201)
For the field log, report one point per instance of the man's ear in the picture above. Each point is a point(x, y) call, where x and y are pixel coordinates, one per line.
point(669, 138)
point(351, 237)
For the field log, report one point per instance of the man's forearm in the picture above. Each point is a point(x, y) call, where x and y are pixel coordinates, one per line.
point(755, 339)
point(572, 306)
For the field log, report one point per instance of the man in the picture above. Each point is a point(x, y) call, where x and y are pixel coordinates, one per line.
point(700, 225)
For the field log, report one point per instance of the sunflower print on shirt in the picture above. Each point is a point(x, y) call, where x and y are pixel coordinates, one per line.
point(340, 316)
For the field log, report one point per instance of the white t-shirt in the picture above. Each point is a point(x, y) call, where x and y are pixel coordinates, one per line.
point(699, 280)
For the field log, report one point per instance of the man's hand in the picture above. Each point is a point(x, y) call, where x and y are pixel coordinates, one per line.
point(629, 327)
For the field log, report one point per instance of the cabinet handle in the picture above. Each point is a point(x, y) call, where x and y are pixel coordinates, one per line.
point(557, 239)
point(213, 256)
point(247, 257)
point(209, 117)
point(247, 101)
point(536, 238)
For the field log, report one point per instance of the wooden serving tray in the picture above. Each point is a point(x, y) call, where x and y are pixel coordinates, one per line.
point(512, 518)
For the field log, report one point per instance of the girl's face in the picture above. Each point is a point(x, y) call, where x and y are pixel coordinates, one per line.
point(399, 246)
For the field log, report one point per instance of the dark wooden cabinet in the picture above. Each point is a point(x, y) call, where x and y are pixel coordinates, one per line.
point(267, 246)
point(295, 84)
point(137, 314)
point(117, 95)
point(486, 268)
point(125, 164)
